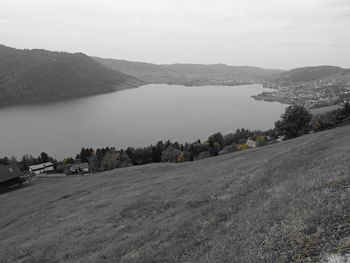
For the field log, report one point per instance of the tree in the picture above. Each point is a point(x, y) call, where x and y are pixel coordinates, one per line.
point(294, 122)
point(110, 160)
point(216, 137)
point(260, 141)
point(157, 152)
point(44, 157)
point(170, 154)
point(68, 161)
point(85, 154)
point(343, 115)
point(59, 168)
point(216, 143)
point(130, 152)
point(5, 161)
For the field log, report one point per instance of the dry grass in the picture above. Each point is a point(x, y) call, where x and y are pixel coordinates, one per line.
point(280, 203)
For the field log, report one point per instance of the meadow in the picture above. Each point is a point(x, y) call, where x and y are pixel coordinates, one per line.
point(286, 202)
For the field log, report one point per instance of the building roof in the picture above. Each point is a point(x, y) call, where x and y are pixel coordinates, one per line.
point(9, 172)
point(251, 143)
point(40, 166)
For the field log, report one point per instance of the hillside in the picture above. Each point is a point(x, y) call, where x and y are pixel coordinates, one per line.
point(308, 73)
point(313, 74)
point(40, 75)
point(312, 87)
point(286, 202)
point(190, 74)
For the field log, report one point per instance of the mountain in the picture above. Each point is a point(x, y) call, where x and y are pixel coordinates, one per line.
point(310, 74)
point(287, 202)
point(190, 74)
point(40, 75)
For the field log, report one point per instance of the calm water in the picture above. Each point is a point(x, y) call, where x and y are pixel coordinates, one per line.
point(135, 117)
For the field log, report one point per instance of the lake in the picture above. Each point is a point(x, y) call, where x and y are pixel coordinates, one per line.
point(134, 117)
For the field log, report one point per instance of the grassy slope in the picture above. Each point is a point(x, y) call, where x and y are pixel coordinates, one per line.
point(280, 203)
point(325, 109)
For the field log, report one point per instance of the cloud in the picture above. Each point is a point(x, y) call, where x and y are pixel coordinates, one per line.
point(337, 3)
point(5, 21)
point(165, 31)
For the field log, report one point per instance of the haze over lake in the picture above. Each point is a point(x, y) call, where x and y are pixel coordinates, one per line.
point(134, 117)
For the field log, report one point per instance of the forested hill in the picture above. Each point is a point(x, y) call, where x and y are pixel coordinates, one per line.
point(40, 75)
point(190, 74)
point(305, 74)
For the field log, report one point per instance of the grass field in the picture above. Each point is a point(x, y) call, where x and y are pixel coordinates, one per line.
point(326, 109)
point(287, 202)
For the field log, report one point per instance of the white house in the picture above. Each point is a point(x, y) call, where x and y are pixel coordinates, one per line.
point(281, 138)
point(251, 143)
point(41, 168)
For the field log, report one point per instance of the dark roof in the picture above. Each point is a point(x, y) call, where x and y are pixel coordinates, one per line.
point(9, 172)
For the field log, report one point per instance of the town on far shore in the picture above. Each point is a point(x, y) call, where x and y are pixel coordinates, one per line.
point(311, 94)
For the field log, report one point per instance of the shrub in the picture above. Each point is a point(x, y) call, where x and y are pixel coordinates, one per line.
point(332, 119)
point(183, 157)
point(242, 147)
point(260, 141)
point(200, 147)
point(216, 143)
point(215, 148)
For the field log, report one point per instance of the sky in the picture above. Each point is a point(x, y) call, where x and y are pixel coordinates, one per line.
point(280, 34)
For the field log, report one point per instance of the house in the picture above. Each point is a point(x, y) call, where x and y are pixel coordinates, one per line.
point(251, 143)
point(80, 168)
point(41, 168)
point(281, 138)
point(9, 173)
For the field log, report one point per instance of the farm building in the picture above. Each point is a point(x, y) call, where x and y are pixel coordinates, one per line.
point(80, 168)
point(251, 143)
point(41, 168)
point(9, 173)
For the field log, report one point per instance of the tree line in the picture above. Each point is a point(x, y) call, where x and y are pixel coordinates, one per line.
point(295, 122)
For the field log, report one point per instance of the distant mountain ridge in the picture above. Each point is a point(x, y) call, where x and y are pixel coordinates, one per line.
point(40, 75)
point(190, 74)
point(315, 73)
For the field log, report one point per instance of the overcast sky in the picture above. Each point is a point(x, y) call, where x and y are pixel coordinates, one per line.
point(268, 33)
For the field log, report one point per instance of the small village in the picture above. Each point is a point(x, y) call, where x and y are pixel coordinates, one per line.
point(12, 176)
point(312, 94)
